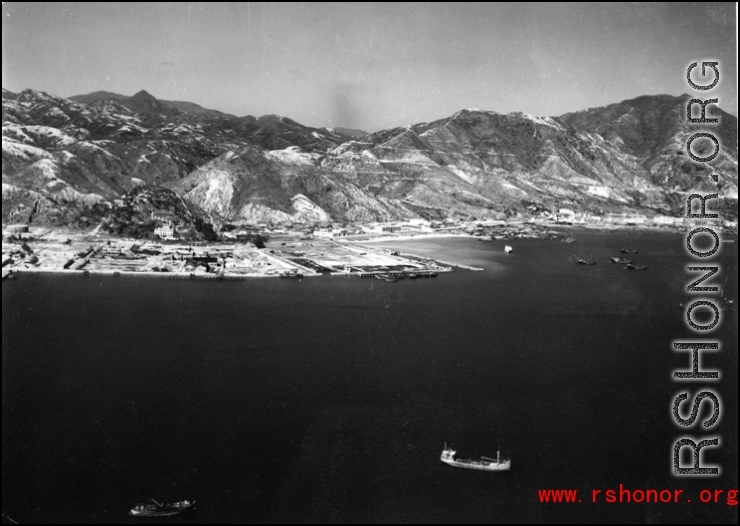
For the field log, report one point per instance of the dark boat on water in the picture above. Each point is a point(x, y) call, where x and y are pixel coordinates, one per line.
point(630, 266)
point(628, 251)
point(569, 238)
point(622, 261)
point(161, 510)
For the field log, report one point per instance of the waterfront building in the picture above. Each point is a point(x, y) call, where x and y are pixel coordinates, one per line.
point(566, 214)
point(16, 229)
point(716, 222)
point(165, 231)
point(661, 220)
point(198, 267)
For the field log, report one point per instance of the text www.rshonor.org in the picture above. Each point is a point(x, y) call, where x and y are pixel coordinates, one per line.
point(705, 496)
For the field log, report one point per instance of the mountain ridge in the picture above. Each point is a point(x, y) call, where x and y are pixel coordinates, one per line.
point(627, 155)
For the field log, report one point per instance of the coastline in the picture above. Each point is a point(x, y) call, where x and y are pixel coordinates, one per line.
point(410, 237)
point(166, 275)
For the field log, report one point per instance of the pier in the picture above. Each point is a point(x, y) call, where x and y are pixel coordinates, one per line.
point(442, 269)
point(460, 265)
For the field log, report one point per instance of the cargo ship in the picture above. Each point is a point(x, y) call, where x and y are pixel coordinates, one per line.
point(484, 464)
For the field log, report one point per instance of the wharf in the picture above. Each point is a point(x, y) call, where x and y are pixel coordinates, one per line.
point(141, 273)
point(207, 277)
point(402, 274)
point(460, 265)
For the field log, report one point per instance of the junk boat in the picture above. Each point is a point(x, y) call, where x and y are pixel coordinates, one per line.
point(484, 464)
point(161, 510)
point(508, 249)
point(569, 238)
point(621, 261)
point(630, 266)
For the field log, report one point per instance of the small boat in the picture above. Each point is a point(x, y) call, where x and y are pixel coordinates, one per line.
point(484, 464)
point(621, 261)
point(628, 251)
point(161, 510)
point(508, 249)
point(569, 238)
point(630, 266)
point(582, 261)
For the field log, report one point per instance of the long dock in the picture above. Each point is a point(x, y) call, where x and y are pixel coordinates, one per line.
point(460, 265)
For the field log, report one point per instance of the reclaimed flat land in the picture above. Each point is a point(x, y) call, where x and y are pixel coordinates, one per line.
point(43, 250)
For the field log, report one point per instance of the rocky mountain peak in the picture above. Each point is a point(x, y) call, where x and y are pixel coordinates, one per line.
point(475, 163)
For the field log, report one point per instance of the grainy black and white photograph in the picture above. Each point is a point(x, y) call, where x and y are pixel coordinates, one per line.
point(369, 263)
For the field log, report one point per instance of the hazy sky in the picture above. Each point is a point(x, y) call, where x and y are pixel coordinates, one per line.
point(369, 66)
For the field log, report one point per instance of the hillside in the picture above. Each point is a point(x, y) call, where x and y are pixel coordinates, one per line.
point(63, 153)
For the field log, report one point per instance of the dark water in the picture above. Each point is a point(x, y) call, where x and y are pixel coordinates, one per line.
point(330, 399)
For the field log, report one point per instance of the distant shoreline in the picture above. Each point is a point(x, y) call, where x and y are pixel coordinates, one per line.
point(409, 237)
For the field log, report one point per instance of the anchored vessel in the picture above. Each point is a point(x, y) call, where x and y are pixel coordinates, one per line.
point(485, 463)
point(161, 510)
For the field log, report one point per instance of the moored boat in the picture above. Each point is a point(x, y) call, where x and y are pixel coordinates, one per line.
point(161, 510)
point(484, 464)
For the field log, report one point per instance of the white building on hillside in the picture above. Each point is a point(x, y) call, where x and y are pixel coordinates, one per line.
point(165, 231)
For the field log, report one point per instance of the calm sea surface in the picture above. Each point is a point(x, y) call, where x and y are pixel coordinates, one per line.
point(330, 399)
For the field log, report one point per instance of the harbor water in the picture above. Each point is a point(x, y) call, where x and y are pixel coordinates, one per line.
point(330, 399)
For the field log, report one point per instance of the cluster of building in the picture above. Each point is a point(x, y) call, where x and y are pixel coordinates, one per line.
point(569, 216)
point(168, 222)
